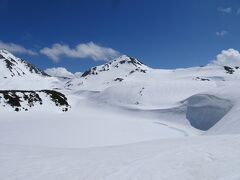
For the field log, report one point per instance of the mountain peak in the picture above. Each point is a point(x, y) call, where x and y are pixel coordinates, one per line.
point(11, 66)
point(128, 59)
point(125, 63)
point(5, 54)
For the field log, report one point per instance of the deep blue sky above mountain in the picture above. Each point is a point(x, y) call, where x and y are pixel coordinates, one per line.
point(161, 33)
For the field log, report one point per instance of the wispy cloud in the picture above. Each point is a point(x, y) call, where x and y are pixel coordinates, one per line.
point(221, 33)
point(227, 10)
point(84, 50)
point(15, 48)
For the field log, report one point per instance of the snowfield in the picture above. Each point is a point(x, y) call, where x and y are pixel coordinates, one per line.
point(212, 157)
point(87, 126)
point(124, 121)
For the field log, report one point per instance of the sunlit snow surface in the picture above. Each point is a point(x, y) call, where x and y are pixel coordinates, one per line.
point(141, 125)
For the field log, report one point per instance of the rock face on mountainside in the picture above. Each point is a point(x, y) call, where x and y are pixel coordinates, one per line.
point(230, 70)
point(26, 100)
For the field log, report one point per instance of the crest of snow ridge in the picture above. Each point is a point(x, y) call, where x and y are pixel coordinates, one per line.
point(124, 61)
point(16, 66)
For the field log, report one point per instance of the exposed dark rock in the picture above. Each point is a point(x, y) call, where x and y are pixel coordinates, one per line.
point(229, 70)
point(14, 98)
point(1, 57)
point(9, 64)
point(141, 91)
point(141, 70)
point(122, 62)
point(119, 79)
point(131, 72)
point(11, 98)
point(17, 109)
point(86, 73)
point(202, 79)
point(57, 97)
point(135, 61)
point(34, 69)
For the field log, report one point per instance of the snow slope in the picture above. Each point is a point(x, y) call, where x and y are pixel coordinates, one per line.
point(201, 96)
point(86, 125)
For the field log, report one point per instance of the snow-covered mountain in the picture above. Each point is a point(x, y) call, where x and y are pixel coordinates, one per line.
point(19, 74)
point(197, 95)
point(121, 113)
point(128, 83)
point(113, 72)
point(12, 66)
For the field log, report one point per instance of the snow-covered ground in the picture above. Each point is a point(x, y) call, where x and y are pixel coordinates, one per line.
point(210, 158)
point(86, 126)
point(126, 121)
point(94, 141)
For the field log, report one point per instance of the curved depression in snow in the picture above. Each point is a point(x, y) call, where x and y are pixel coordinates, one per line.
point(204, 110)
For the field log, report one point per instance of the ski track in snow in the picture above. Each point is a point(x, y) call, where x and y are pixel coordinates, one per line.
point(174, 128)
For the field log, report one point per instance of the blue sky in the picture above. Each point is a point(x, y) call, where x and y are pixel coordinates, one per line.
point(161, 33)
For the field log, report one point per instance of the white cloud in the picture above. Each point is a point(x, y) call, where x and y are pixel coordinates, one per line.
point(221, 33)
point(230, 57)
point(78, 74)
point(85, 50)
point(58, 72)
point(15, 48)
point(227, 10)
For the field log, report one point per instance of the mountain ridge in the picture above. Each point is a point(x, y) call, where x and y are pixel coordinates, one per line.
point(18, 67)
